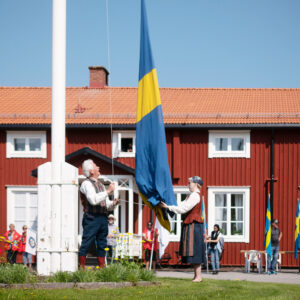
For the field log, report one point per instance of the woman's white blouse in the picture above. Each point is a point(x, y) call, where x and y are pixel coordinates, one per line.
point(186, 205)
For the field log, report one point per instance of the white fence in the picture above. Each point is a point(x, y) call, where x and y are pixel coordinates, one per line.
point(129, 245)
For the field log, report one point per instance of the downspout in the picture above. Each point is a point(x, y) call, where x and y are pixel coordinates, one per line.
point(272, 171)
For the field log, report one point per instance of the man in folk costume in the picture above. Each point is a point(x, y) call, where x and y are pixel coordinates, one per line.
point(192, 247)
point(96, 204)
point(12, 240)
point(150, 241)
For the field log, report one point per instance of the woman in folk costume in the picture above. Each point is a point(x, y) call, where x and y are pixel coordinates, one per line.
point(192, 246)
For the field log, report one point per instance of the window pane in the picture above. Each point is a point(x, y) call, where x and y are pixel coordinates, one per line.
point(173, 223)
point(20, 213)
point(32, 213)
point(236, 214)
point(19, 144)
point(20, 199)
point(223, 228)
point(19, 225)
point(221, 214)
point(237, 144)
point(237, 228)
point(126, 144)
point(35, 144)
point(33, 200)
point(221, 144)
point(237, 200)
point(221, 200)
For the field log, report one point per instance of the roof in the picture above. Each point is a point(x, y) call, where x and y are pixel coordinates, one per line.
point(88, 151)
point(117, 105)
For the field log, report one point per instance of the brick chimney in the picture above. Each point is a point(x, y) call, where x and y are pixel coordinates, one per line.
point(98, 77)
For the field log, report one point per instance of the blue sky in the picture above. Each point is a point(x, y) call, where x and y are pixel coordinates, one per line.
point(195, 43)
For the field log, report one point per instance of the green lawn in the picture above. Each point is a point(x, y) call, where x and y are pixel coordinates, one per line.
point(169, 288)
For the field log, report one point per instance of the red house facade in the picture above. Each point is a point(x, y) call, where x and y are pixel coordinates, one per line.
point(244, 143)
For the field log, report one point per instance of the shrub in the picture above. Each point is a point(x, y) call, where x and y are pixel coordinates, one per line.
point(61, 277)
point(83, 276)
point(112, 273)
point(128, 271)
point(14, 274)
point(146, 275)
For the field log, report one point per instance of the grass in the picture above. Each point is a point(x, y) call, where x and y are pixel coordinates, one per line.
point(169, 288)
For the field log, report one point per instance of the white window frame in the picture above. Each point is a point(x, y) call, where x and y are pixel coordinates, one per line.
point(211, 211)
point(178, 190)
point(11, 135)
point(213, 134)
point(116, 145)
point(10, 190)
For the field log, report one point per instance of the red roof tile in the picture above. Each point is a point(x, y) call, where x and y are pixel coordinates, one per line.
point(32, 105)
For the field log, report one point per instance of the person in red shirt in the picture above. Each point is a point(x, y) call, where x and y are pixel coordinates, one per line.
point(11, 245)
point(150, 239)
point(27, 257)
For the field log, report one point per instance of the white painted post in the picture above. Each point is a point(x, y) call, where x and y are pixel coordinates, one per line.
point(57, 181)
point(116, 209)
point(140, 216)
point(130, 206)
point(123, 212)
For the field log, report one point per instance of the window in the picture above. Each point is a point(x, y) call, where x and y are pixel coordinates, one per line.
point(22, 205)
point(123, 144)
point(229, 207)
point(180, 193)
point(26, 144)
point(229, 144)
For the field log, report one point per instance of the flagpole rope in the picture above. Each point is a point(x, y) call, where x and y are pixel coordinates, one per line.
point(136, 203)
point(109, 89)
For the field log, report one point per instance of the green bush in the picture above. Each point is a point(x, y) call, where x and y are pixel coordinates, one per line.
point(146, 275)
point(112, 273)
point(83, 276)
point(14, 274)
point(126, 271)
point(61, 277)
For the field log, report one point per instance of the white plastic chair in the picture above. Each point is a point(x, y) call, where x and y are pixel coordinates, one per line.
point(278, 264)
point(253, 256)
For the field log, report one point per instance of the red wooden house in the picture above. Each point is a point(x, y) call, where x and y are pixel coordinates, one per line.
point(244, 143)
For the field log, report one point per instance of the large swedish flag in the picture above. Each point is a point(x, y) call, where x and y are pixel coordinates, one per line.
point(152, 172)
point(268, 229)
point(297, 230)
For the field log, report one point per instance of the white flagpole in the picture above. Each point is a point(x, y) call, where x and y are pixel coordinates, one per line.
point(206, 258)
point(206, 254)
point(151, 256)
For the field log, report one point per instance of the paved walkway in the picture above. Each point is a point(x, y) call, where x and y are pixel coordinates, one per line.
point(290, 276)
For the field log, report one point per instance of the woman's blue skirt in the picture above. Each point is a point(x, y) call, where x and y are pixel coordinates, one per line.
point(192, 246)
